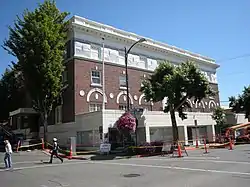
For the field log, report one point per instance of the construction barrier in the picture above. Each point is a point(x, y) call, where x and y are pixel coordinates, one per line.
point(142, 150)
point(28, 146)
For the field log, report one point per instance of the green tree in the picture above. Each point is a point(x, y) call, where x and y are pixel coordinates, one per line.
point(219, 117)
point(241, 104)
point(177, 84)
point(11, 92)
point(37, 40)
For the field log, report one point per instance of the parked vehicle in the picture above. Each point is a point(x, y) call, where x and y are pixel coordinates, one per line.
point(239, 133)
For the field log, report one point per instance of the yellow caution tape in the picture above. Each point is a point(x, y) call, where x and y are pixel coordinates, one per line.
point(82, 152)
point(32, 145)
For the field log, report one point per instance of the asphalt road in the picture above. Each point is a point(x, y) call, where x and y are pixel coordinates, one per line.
point(218, 168)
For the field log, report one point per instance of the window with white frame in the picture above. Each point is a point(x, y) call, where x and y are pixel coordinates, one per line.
point(122, 107)
point(121, 57)
point(58, 114)
point(122, 81)
point(95, 77)
point(95, 52)
point(95, 107)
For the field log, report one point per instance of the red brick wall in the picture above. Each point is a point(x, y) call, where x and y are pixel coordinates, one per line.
point(79, 78)
point(68, 109)
point(83, 82)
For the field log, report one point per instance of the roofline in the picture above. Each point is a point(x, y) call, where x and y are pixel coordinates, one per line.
point(132, 36)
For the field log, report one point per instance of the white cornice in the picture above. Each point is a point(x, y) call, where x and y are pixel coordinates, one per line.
point(102, 28)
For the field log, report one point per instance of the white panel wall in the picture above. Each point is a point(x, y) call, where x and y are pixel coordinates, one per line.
point(158, 119)
point(236, 118)
point(83, 122)
point(92, 121)
point(155, 55)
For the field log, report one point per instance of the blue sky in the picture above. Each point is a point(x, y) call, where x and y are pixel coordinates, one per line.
point(218, 29)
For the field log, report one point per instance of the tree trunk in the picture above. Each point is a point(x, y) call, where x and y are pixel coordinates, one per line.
point(45, 127)
point(174, 127)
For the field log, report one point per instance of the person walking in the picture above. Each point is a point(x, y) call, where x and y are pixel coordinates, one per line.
point(8, 152)
point(55, 151)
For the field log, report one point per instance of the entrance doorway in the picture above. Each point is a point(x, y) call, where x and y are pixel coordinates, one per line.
point(196, 132)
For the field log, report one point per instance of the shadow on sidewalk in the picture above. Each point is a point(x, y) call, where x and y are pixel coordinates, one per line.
point(103, 157)
point(109, 157)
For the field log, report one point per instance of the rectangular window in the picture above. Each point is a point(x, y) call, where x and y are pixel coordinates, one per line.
point(58, 115)
point(96, 77)
point(122, 107)
point(95, 52)
point(122, 82)
point(121, 57)
point(95, 107)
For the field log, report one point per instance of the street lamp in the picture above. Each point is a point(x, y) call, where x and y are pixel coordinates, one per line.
point(196, 133)
point(137, 113)
point(126, 67)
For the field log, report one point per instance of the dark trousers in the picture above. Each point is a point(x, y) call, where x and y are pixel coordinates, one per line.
point(7, 160)
point(55, 153)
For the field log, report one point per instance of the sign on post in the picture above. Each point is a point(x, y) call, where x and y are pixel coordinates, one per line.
point(105, 147)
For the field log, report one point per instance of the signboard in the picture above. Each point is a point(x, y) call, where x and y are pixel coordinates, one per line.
point(166, 147)
point(105, 147)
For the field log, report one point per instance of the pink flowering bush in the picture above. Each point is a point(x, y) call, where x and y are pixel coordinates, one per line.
point(126, 122)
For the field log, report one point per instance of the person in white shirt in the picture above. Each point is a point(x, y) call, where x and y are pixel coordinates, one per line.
point(55, 151)
point(8, 152)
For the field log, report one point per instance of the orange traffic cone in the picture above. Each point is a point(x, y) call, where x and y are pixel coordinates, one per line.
point(179, 150)
point(230, 144)
point(42, 144)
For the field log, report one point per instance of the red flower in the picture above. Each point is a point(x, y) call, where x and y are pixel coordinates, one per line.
point(127, 122)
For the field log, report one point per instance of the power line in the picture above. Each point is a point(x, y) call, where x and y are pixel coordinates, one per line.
point(234, 58)
point(224, 101)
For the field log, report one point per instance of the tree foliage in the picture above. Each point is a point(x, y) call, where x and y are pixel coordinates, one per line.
point(37, 40)
point(11, 92)
point(241, 103)
point(219, 116)
point(176, 84)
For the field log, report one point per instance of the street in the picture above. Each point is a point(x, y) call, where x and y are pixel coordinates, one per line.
point(220, 167)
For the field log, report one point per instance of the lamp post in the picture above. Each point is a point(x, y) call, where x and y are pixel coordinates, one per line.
point(137, 113)
point(103, 90)
point(126, 67)
point(196, 133)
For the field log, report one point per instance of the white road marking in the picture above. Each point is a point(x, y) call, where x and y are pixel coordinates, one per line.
point(176, 168)
point(30, 162)
point(23, 162)
point(198, 157)
point(134, 165)
point(198, 160)
point(43, 166)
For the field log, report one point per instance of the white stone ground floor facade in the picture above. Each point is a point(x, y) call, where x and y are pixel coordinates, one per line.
point(152, 126)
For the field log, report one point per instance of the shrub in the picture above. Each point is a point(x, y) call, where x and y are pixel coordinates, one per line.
point(146, 148)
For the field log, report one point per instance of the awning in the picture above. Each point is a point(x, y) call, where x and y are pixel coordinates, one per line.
point(22, 111)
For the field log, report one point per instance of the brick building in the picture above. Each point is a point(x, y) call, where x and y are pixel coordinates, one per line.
point(81, 113)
